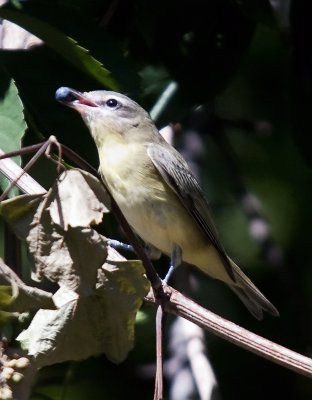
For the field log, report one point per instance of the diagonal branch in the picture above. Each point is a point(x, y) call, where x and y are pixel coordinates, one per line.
point(13, 172)
point(188, 309)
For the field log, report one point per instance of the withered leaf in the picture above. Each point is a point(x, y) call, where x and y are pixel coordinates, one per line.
point(100, 292)
point(71, 258)
point(90, 324)
point(78, 199)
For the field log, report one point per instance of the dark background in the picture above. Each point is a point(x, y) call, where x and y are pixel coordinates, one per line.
point(243, 108)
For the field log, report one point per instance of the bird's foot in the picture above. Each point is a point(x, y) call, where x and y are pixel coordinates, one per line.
point(117, 245)
point(175, 261)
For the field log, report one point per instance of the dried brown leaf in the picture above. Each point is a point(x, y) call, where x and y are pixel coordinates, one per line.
point(90, 324)
point(78, 199)
point(100, 292)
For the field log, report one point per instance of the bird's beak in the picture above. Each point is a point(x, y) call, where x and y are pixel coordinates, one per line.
point(73, 98)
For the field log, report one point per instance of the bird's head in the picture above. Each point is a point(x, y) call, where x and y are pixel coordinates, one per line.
point(105, 112)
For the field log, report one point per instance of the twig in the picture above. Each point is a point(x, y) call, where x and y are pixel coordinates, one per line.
point(45, 146)
point(188, 309)
point(12, 171)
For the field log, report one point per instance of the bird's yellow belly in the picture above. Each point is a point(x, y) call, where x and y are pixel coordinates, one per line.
point(160, 222)
point(164, 225)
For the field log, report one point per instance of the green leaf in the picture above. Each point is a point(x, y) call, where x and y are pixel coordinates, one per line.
point(12, 122)
point(6, 296)
point(16, 296)
point(6, 317)
point(63, 45)
point(19, 212)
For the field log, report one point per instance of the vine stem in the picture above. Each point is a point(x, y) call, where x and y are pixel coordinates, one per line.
point(182, 306)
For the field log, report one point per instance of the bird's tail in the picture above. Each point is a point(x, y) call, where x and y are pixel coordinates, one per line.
point(253, 299)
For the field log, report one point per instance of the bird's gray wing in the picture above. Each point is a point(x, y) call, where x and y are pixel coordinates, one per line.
point(176, 173)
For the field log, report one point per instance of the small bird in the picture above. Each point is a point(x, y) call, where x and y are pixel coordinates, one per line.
point(156, 190)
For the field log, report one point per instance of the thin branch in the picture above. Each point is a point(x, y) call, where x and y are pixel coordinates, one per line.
point(12, 171)
point(188, 309)
point(22, 151)
point(44, 147)
point(180, 305)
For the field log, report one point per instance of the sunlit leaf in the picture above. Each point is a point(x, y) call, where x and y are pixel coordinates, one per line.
point(16, 296)
point(19, 212)
point(5, 296)
point(78, 199)
point(12, 123)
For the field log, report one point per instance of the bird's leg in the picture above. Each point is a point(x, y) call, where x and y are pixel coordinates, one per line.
point(175, 260)
point(115, 244)
point(152, 252)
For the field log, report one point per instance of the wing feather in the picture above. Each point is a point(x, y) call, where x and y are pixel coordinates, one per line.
point(176, 173)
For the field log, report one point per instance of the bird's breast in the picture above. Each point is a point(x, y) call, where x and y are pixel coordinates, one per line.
point(150, 206)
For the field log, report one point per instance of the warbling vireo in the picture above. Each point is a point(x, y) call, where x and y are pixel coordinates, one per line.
point(155, 189)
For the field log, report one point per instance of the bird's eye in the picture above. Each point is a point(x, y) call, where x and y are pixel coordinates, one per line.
point(112, 103)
